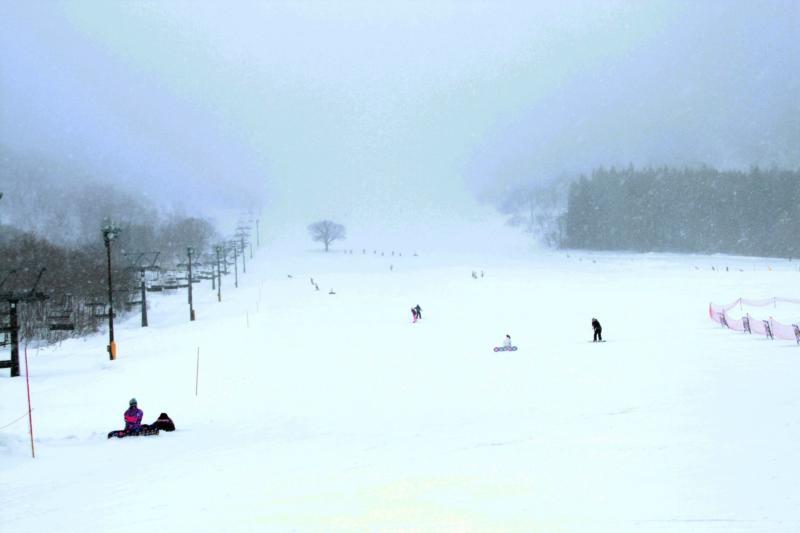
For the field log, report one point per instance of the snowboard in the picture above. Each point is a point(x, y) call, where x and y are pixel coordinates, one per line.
point(144, 432)
point(505, 349)
point(598, 341)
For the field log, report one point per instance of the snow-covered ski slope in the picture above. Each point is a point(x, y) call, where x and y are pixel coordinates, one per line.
point(336, 413)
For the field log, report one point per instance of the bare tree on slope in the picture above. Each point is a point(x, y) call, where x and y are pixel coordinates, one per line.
point(326, 231)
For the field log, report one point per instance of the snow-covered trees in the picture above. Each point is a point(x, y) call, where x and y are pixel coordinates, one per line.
point(326, 231)
point(685, 210)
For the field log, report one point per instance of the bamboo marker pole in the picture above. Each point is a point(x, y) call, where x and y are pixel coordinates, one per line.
point(30, 416)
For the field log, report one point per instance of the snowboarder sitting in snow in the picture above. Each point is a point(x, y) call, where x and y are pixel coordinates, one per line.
point(133, 422)
point(133, 418)
point(598, 330)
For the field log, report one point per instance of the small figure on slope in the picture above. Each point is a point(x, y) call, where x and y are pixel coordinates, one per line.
point(418, 309)
point(507, 346)
point(598, 330)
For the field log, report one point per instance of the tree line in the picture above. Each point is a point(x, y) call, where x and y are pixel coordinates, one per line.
point(54, 223)
point(685, 210)
point(665, 209)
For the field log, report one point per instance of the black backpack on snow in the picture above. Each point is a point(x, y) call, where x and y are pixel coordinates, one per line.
point(164, 423)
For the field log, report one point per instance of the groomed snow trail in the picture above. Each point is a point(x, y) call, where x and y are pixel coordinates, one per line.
point(321, 412)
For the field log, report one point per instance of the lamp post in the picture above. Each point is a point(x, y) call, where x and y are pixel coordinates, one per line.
point(110, 232)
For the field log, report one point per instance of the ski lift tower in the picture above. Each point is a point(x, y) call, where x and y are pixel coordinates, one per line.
point(13, 299)
point(144, 262)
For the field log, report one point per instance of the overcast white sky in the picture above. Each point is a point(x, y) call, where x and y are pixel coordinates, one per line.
point(379, 112)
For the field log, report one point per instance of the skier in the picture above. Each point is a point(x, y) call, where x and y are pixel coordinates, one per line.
point(507, 342)
point(133, 418)
point(414, 316)
point(598, 330)
point(418, 309)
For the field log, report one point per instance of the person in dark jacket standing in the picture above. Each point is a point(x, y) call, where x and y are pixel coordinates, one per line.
point(418, 309)
point(598, 330)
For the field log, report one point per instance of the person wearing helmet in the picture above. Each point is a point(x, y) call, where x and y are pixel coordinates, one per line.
point(507, 342)
point(133, 417)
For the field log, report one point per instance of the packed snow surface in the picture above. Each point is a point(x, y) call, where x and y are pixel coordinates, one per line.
point(333, 412)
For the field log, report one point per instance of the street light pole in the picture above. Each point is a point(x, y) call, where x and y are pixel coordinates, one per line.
point(110, 232)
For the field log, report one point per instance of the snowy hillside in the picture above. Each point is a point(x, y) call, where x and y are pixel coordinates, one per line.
point(321, 412)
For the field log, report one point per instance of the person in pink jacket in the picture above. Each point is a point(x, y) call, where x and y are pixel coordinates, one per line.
point(133, 417)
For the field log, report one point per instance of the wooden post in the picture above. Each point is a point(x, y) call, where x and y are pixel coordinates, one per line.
point(14, 326)
point(144, 299)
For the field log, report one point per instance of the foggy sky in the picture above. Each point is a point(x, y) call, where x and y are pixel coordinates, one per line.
point(380, 112)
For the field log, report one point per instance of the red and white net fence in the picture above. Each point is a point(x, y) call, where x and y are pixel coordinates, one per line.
point(769, 327)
